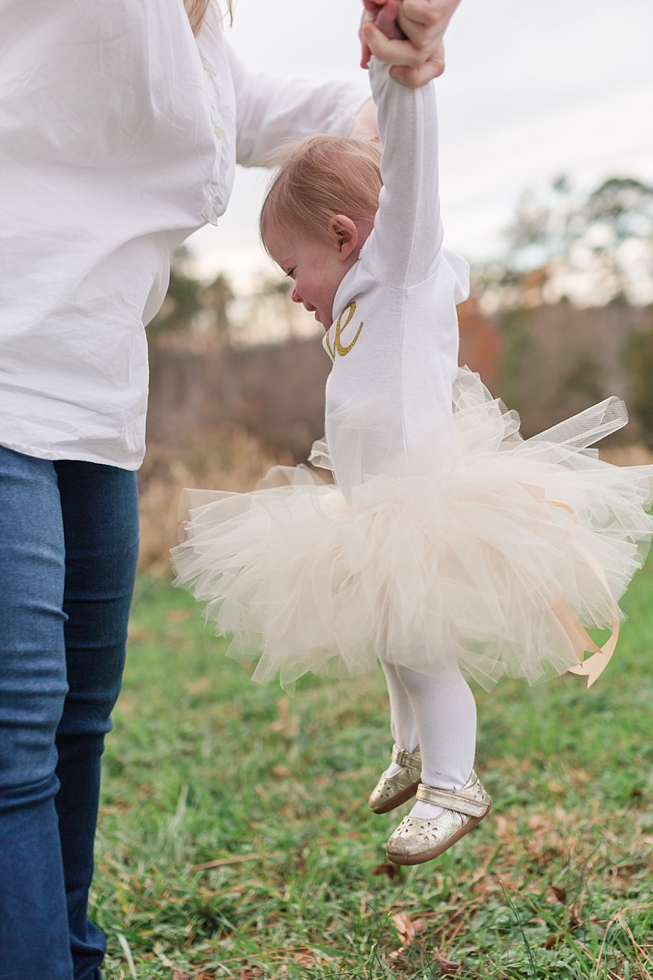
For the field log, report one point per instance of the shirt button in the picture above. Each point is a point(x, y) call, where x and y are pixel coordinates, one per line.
point(217, 131)
point(206, 69)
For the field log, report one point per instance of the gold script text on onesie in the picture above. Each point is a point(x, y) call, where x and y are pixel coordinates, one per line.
point(340, 326)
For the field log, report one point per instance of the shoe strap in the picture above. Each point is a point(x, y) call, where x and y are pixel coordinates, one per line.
point(408, 760)
point(451, 800)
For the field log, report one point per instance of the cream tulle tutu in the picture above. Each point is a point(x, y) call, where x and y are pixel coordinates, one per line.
point(483, 546)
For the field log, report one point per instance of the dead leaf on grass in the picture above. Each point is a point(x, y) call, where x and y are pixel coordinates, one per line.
point(560, 894)
point(177, 615)
point(387, 868)
point(539, 824)
point(553, 940)
point(199, 686)
point(506, 828)
point(305, 959)
point(137, 635)
point(286, 723)
point(406, 927)
point(281, 772)
point(483, 890)
point(550, 822)
point(179, 975)
point(579, 777)
point(445, 967)
point(555, 787)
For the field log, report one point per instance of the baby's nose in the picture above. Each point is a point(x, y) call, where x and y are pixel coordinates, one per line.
point(295, 297)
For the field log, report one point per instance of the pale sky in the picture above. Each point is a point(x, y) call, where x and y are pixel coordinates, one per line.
point(531, 91)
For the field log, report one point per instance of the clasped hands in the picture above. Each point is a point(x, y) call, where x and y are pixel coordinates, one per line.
point(407, 34)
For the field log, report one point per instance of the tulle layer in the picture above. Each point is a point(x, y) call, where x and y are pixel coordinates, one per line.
point(480, 546)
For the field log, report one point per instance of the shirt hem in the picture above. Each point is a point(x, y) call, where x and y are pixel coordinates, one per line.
point(82, 457)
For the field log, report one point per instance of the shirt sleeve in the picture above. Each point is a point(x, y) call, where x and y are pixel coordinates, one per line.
point(271, 109)
point(405, 246)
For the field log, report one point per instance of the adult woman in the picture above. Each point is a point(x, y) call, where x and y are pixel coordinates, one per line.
point(120, 124)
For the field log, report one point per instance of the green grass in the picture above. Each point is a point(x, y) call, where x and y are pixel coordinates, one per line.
point(204, 766)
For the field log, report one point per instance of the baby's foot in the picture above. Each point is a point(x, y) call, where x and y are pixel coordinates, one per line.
point(426, 811)
point(393, 770)
point(420, 838)
point(399, 781)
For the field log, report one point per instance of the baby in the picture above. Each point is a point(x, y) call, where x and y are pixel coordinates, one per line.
point(448, 545)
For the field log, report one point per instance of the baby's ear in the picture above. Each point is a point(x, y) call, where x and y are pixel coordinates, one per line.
point(344, 235)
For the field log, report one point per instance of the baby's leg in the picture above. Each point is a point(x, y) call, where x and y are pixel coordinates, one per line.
point(402, 717)
point(445, 716)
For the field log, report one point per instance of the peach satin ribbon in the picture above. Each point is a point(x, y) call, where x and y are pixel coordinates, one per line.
point(581, 641)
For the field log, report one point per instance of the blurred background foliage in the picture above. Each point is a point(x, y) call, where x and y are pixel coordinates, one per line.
point(592, 247)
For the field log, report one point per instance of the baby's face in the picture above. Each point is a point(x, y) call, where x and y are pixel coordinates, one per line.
point(317, 269)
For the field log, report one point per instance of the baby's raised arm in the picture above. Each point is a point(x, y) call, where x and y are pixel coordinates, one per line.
point(405, 246)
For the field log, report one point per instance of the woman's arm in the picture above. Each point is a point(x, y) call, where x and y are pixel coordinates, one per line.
point(273, 108)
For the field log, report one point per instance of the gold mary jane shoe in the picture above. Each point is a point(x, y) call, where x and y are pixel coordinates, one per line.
point(419, 839)
point(392, 791)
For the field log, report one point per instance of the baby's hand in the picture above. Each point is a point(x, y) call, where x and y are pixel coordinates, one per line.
point(383, 14)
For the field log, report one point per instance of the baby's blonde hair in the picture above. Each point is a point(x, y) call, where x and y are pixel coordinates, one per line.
point(197, 9)
point(319, 177)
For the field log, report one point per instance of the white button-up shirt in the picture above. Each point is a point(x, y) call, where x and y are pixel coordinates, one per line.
point(119, 135)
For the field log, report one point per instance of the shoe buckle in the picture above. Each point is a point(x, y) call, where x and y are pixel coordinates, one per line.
point(407, 760)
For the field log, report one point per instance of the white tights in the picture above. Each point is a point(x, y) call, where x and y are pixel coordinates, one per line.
point(438, 713)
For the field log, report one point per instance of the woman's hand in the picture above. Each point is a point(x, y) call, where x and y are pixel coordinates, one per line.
point(414, 47)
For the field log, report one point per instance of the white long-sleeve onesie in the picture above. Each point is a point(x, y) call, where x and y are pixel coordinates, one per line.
point(394, 340)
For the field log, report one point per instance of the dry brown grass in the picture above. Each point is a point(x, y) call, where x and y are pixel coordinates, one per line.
point(632, 455)
point(221, 461)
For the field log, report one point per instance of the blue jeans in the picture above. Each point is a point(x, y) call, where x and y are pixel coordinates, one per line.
point(69, 535)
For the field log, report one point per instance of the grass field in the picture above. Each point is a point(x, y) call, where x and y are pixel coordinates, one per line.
point(235, 838)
